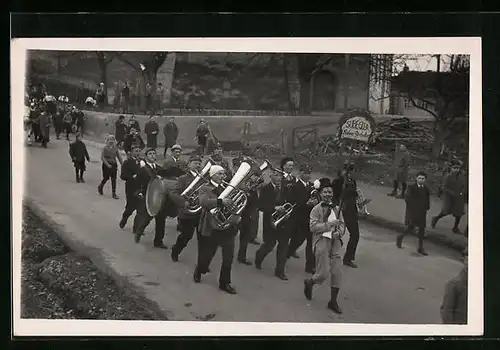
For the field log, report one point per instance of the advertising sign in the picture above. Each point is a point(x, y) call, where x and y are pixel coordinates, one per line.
point(357, 127)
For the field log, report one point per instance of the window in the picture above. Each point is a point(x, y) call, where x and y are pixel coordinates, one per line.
point(407, 103)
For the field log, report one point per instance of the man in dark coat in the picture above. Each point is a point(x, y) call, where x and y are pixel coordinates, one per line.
point(187, 221)
point(218, 157)
point(120, 131)
point(133, 139)
point(78, 153)
point(212, 237)
point(418, 203)
point(129, 173)
point(133, 124)
point(174, 163)
point(454, 306)
point(45, 123)
point(454, 194)
point(142, 219)
point(151, 130)
point(171, 132)
point(301, 232)
point(345, 194)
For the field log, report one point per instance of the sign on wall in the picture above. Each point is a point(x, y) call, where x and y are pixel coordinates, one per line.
point(357, 125)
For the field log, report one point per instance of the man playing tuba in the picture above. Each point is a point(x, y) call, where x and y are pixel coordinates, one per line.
point(212, 236)
point(187, 221)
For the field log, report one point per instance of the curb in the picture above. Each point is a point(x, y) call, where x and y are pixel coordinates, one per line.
point(459, 243)
point(95, 255)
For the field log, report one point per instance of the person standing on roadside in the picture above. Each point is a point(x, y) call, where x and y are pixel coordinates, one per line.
point(151, 129)
point(171, 132)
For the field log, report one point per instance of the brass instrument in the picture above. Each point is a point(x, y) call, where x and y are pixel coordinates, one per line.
point(224, 216)
point(192, 192)
point(361, 203)
point(280, 216)
point(314, 195)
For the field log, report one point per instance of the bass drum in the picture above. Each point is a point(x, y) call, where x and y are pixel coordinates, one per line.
point(158, 197)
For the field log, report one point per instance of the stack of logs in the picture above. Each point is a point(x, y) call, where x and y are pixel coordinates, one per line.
point(416, 136)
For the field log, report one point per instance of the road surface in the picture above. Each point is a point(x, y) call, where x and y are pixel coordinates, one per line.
point(390, 285)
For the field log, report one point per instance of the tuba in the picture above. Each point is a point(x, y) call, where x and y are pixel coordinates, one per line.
point(224, 216)
point(191, 193)
point(361, 203)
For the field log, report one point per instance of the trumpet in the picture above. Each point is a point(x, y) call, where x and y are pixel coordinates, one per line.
point(280, 216)
point(361, 203)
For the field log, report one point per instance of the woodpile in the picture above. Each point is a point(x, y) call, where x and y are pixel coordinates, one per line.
point(414, 135)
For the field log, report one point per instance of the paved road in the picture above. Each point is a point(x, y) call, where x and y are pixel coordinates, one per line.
point(391, 285)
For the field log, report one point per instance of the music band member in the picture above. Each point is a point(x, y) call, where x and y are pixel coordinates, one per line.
point(109, 156)
point(325, 228)
point(301, 232)
point(345, 193)
point(129, 173)
point(218, 157)
point(187, 222)
point(454, 194)
point(149, 171)
point(133, 139)
point(249, 225)
point(211, 237)
point(174, 161)
point(271, 199)
point(78, 153)
point(417, 204)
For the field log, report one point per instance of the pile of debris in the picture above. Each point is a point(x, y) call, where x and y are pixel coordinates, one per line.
point(415, 135)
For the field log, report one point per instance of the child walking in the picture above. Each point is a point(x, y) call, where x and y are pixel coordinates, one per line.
point(110, 153)
point(78, 153)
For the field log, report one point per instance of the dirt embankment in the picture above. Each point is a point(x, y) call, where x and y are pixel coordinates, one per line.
point(57, 283)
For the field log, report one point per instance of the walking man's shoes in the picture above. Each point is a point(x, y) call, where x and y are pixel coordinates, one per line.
point(227, 288)
point(350, 264)
point(308, 288)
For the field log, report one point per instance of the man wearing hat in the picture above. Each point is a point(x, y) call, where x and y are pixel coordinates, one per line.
point(186, 222)
point(327, 245)
point(301, 232)
point(345, 194)
point(272, 199)
point(218, 157)
point(211, 237)
point(151, 130)
point(454, 193)
point(130, 170)
point(149, 169)
point(174, 161)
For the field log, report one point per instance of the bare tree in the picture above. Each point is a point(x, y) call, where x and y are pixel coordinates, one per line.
point(444, 95)
point(104, 58)
point(146, 65)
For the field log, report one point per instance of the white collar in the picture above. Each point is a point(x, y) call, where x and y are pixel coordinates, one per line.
point(305, 183)
point(152, 165)
point(214, 183)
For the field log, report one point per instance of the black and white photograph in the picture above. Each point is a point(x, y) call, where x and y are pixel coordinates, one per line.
point(247, 186)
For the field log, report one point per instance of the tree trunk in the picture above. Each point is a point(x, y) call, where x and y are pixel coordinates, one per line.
point(291, 106)
point(305, 89)
point(103, 70)
point(346, 81)
point(438, 143)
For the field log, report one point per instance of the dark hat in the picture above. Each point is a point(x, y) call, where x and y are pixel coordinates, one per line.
point(194, 158)
point(322, 183)
point(148, 150)
point(285, 160)
point(348, 165)
point(305, 168)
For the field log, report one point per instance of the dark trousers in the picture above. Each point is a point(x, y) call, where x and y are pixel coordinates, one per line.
point(186, 228)
point(67, 129)
point(142, 220)
point(248, 232)
point(58, 126)
point(272, 236)
point(168, 143)
point(300, 234)
point(79, 168)
point(208, 247)
point(351, 222)
point(419, 223)
point(132, 205)
point(109, 173)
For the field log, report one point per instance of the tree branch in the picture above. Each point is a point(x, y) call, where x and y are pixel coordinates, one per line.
point(121, 57)
point(434, 114)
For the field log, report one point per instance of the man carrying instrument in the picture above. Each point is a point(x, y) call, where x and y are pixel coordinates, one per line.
point(272, 199)
point(130, 170)
point(303, 189)
point(345, 195)
point(187, 222)
point(250, 216)
point(149, 171)
point(327, 243)
point(212, 236)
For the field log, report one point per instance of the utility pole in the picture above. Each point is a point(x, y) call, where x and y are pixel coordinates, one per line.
point(438, 63)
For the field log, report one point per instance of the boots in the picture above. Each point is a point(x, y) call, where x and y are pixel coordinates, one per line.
point(99, 188)
point(77, 176)
point(421, 249)
point(115, 196)
point(332, 304)
point(81, 176)
point(308, 288)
